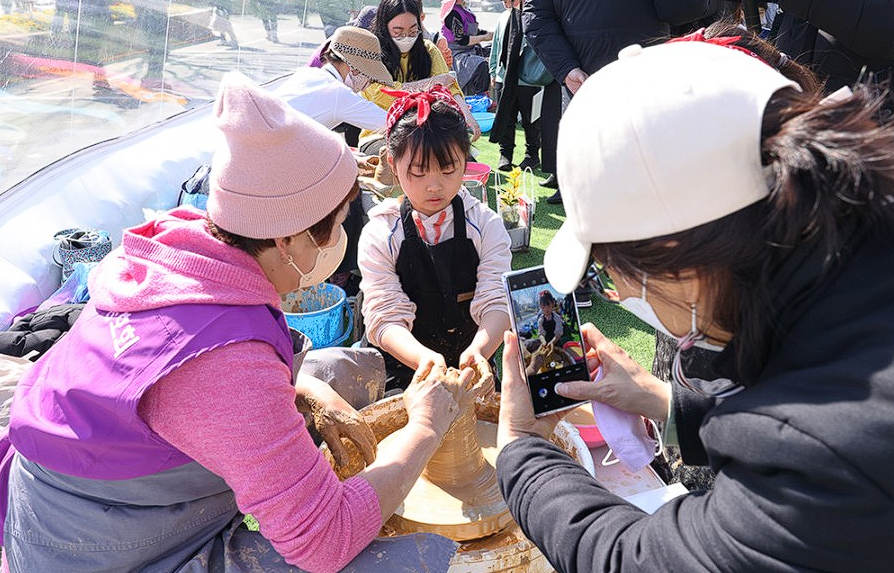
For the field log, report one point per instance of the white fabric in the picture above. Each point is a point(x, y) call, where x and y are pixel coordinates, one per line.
point(385, 304)
point(318, 94)
point(662, 140)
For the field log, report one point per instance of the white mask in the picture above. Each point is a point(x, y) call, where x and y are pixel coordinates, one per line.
point(642, 309)
point(719, 388)
point(404, 44)
point(349, 80)
point(328, 259)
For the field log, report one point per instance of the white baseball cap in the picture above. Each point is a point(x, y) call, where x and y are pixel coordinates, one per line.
point(662, 140)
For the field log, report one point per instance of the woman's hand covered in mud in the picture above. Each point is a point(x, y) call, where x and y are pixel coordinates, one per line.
point(625, 384)
point(516, 410)
point(429, 401)
point(336, 419)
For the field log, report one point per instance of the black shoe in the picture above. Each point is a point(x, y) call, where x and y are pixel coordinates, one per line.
point(583, 298)
point(529, 163)
point(550, 182)
point(555, 198)
point(505, 164)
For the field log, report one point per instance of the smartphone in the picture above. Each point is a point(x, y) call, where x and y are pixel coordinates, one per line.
point(548, 331)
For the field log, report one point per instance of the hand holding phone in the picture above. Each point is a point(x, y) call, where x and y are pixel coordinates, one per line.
point(550, 344)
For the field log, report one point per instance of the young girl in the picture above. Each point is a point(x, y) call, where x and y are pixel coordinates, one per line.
point(549, 322)
point(431, 261)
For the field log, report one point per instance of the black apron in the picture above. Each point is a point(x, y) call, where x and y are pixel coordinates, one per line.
point(549, 327)
point(440, 280)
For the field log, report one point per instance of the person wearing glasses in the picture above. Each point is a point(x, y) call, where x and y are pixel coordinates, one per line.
point(735, 211)
point(415, 63)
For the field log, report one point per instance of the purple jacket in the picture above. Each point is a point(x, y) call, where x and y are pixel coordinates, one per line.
point(75, 412)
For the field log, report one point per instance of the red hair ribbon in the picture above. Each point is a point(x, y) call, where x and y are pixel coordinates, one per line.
point(726, 42)
point(421, 100)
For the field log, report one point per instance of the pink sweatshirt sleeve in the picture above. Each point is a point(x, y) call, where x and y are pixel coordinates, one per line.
point(232, 410)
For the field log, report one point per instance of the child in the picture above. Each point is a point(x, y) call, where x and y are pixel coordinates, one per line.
point(549, 322)
point(431, 261)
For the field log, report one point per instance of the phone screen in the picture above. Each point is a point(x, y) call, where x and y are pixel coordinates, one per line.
point(549, 337)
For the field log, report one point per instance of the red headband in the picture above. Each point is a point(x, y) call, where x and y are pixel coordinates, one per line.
point(726, 42)
point(421, 100)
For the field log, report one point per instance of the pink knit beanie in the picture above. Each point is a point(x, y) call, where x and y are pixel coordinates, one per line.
point(279, 171)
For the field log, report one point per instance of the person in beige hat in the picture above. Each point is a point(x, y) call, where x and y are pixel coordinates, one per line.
point(349, 60)
point(737, 212)
point(192, 410)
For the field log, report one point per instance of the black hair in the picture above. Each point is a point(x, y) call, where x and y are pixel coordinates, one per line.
point(439, 138)
point(419, 67)
point(547, 297)
point(834, 173)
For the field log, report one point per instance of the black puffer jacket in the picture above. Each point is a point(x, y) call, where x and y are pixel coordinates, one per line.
point(588, 34)
point(838, 37)
point(804, 457)
point(38, 331)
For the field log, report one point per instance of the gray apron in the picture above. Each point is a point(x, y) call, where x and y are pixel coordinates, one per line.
point(182, 520)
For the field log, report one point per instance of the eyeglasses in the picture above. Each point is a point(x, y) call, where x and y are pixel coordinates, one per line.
point(599, 281)
point(411, 33)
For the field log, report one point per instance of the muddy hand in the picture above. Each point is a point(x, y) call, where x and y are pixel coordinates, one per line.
point(335, 419)
point(484, 377)
point(430, 402)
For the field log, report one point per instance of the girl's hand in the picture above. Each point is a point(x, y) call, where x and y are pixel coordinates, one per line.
point(428, 360)
point(472, 358)
point(516, 410)
point(625, 384)
point(429, 402)
point(335, 419)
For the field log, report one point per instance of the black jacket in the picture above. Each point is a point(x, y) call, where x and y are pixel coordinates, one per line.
point(837, 37)
point(588, 34)
point(804, 457)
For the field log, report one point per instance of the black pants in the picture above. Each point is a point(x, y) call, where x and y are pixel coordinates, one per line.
point(524, 105)
point(550, 114)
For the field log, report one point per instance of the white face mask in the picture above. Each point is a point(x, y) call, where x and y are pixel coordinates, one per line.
point(349, 80)
point(328, 259)
point(404, 44)
point(642, 309)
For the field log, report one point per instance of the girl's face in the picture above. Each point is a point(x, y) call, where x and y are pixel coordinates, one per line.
point(429, 190)
point(403, 26)
point(547, 308)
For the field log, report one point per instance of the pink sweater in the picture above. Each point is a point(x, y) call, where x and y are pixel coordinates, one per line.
point(232, 409)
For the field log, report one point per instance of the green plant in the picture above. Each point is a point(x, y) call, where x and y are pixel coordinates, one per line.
point(510, 193)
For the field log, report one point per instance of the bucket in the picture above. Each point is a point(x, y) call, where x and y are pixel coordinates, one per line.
point(477, 172)
point(320, 313)
point(485, 120)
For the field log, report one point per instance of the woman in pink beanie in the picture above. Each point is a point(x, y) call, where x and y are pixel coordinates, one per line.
point(169, 410)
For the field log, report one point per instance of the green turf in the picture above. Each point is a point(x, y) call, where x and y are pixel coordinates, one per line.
point(630, 333)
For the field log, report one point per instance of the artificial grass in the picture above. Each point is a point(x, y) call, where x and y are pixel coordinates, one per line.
point(627, 331)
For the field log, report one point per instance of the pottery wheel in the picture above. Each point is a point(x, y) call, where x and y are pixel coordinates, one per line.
point(457, 496)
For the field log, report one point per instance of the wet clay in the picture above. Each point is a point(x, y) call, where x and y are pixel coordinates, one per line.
point(465, 511)
point(457, 495)
point(504, 550)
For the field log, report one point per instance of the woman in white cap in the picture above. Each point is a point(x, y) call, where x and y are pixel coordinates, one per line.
point(169, 410)
point(733, 211)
